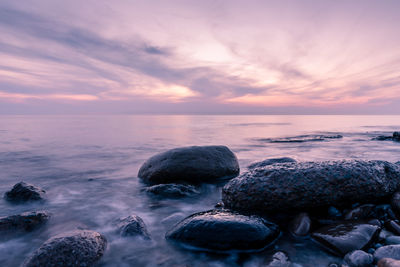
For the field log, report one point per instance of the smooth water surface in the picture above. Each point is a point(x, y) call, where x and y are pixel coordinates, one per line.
point(88, 165)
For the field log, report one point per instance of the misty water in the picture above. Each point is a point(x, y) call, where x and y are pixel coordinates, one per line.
point(88, 165)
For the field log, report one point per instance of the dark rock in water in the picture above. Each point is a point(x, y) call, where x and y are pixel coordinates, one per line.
point(23, 192)
point(386, 262)
point(359, 258)
point(172, 190)
point(391, 251)
point(307, 185)
point(345, 237)
point(224, 230)
point(395, 203)
point(193, 164)
point(360, 213)
point(394, 137)
point(392, 240)
point(74, 249)
point(279, 259)
point(133, 225)
point(268, 162)
point(26, 221)
point(393, 227)
point(301, 138)
point(301, 225)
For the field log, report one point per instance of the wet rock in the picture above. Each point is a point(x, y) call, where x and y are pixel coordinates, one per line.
point(307, 185)
point(224, 230)
point(395, 137)
point(76, 248)
point(361, 212)
point(359, 258)
point(301, 138)
point(23, 192)
point(173, 219)
point(345, 237)
point(393, 227)
point(386, 262)
point(133, 225)
point(26, 221)
point(193, 164)
point(395, 203)
point(375, 222)
point(392, 240)
point(268, 162)
point(172, 190)
point(390, 251)
point(279, 259)
point(384, 212)
point(300, 225)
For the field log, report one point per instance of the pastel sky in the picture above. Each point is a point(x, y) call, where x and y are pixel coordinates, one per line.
point(200, 57)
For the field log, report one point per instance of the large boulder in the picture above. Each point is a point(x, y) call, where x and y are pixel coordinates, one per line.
point(74, 249)
point(390, 251)
point(193, 164)
point(345, 237)
point(306, 185)
point(25, 222)
point(23, 192)
point(224, 230)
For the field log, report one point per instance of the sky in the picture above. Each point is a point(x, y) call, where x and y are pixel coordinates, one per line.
point(200, 57)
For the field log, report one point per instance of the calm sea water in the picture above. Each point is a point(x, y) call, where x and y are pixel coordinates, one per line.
point(88, 165)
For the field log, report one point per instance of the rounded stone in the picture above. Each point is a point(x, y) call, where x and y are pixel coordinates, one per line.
point(172, 190)
point(193, 164)
point(23, 192)
point(133, 225)
point(26, 221)
point(386, 262)
point(390, 251)
point(359, 258)
point(300, 225)
point(224, 230)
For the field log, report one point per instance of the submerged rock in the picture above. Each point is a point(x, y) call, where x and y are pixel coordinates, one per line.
point(306, 185)
point(133, 225)
point(386, 262)
point(279, 259)
point(76, 248)
point(390, 251)
point(268, 162)
point(172, 190)
point(193, 164)
point(345, 237)
point(26, 221)
point(301, 225)
point(224, 230)
point(359, 258)
point(22, 192)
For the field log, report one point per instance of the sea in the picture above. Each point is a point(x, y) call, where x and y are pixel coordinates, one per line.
point(88, 166)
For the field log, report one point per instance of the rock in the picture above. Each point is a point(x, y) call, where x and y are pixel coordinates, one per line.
point(392, 240)
point(77, 248)
point(193, 164)
point(26, 221)
point(361, 212)
point(393, 227)
point(23, 192)
point(386, 262)
point(224, 230)
point(307, 185)
point(390, 251)
point(279, 259)
point(300, 225)
point(345, 237)
point(172, 190)
point(396, 136)
point(359, 258)
point(268, 162)
point(133, 225)
point(395, 203)
point(384, 212)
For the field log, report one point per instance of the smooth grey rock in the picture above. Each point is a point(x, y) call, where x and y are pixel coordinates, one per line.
point(343, 238)
point(307, 185)
point(300, 225)
point(26, 221)
point(194, 164)
point(390, 251)
point(279, 259)
point(268, 162)
point(23, 192)
point(72, 249)
point(223, 230)
point(386, 262)
point(392, 240)
point(359, 258)
point(133, 225)
point(172, 190)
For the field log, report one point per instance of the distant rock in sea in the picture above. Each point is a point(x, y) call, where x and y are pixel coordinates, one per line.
point(301, 138)
point(23, 192)
point(394, 137)
point(306, 185)
point(195, 164)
